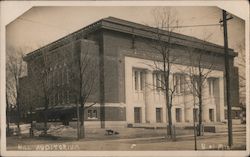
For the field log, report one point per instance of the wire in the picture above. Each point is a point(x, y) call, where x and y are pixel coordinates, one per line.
point(184, 26)
point(205, 25)
point(28, 20)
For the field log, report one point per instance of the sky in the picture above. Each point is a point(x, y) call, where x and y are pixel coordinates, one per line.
point(42, 25)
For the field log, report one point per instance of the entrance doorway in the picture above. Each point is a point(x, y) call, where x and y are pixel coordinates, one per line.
point(137, 114)
point(158, 115)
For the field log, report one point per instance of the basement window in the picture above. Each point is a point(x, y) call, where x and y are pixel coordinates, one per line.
point(92, 114)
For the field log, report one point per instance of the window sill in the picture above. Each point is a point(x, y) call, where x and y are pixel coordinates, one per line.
point(92, 118)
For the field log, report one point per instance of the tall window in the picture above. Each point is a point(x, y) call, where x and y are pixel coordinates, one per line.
point(211, 86)
point(179, 83)
point(139, 79)
point(158, 81)
point(142, 80)
point(67, 96)
point(136, 75)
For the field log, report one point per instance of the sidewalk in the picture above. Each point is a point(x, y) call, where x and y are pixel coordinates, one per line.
point(183, 142)
point(67, 132)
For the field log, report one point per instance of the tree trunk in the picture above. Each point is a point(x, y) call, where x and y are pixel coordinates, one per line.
point(18, 119)
point(195, 130)
point(45, 123)
point(7, 117)
point(82, 127)
point(170, 125)
point(78, 120)
point(45, 120)
point(31, 123)
point(82, 131)
point(200, 115)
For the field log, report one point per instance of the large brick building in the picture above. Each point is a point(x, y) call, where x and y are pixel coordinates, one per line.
point(122, 54)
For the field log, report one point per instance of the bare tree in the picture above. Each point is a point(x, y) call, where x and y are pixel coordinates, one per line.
point(15, 68)
point(166, 22)
point(84, 77)
point(27, 88)
point(7, 115)
point(39, 84)
point(242, 66)
point(198, 72)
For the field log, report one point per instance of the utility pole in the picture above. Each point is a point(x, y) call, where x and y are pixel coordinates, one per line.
point(227, 72)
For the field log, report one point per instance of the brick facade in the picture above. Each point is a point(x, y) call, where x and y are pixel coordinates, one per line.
point(108, 41)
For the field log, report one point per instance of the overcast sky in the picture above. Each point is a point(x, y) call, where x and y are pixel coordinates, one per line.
point(42, 25)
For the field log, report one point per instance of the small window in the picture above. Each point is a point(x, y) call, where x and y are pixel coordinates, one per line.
point(92, 114)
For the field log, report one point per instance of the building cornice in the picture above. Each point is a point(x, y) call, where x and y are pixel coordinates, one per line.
point(123, 26)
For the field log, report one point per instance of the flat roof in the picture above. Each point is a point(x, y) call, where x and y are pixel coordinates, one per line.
point(125, 26)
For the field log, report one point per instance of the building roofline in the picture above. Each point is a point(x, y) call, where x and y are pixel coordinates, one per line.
point(100, 24)
point(138, 26)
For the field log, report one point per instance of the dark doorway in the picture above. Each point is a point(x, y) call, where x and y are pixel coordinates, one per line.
point(158, 115)
point(137, 114)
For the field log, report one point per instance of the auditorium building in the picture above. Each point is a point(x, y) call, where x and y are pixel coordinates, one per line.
point(124, 87)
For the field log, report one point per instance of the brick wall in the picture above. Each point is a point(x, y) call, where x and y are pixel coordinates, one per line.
point(117, 45)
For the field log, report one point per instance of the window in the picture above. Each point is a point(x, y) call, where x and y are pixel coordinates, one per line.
point(67, 96)
point(211, 86)
point(158, 81)
point(179, 83)
point(62, 76)
point(92, 114)
point(158, 115)
point(67, 76)
point(211, 115)
point(51, 100)
point(139, 79)
point(195, 84)
point(63, 96)
point(136, 80)
point(137, 115)
point(58, 98)
point(142, 76)
point(52, 78)
point(178, 114)
point(195, 114)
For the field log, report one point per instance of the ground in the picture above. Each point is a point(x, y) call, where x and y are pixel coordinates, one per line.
point(128, 139)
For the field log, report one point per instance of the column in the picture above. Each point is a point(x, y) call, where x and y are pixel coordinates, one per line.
point(150, 115)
